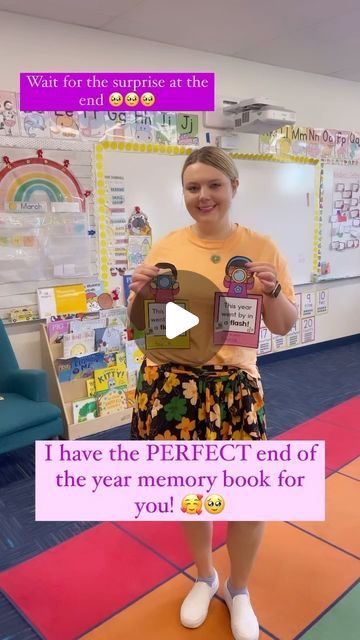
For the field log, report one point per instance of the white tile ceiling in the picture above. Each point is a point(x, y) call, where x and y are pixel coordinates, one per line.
point(318, 36)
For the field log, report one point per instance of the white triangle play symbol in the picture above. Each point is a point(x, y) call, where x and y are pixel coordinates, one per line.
point(177, 320)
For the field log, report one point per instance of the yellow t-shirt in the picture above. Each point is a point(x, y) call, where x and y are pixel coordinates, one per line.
point(187, 252)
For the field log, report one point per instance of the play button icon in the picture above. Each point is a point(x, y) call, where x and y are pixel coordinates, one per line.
point(174, 318)
point(178, 320)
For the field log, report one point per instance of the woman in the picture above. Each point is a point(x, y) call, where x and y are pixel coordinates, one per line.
point(199, 393)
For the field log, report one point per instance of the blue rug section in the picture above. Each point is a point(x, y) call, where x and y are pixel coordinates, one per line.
point(21, 537)
point(296, 389)
point(12, 624)
point(299, 388)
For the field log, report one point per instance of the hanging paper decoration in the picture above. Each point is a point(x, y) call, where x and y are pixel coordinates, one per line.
point(139, 241)
point(138, 224)
point(31, 184)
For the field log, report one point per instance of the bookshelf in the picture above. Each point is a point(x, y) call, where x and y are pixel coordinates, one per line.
point(63, 394)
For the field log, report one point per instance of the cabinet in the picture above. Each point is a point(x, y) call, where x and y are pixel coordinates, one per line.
point(63, 394)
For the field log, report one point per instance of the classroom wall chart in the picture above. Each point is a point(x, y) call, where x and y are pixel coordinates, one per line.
point(337, 239)
point(35, 183)
point(44, 219)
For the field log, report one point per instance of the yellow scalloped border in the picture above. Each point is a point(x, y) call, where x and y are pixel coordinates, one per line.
point(142, 147)
point(317, 219)
point(101, 208)
point(274, 158)
point(175, 150)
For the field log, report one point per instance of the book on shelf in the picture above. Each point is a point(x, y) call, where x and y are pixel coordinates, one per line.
point(57, 329)
point(92, 292)
point(108, 339)
point(130, 397)
point(59, 300)
point(79, 344)
point(111, 401)
point(134, 354)
point(83, 367)
point(110, 377)
point(116, 317)
point(90, 387)
point(78, 326)
point(84, 409)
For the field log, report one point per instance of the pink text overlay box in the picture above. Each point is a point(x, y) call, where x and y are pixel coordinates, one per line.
point(138, 480)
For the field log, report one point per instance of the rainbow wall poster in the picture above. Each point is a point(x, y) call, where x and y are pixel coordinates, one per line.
point(34, 184)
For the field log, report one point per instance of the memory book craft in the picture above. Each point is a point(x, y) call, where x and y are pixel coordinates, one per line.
point(237, 314)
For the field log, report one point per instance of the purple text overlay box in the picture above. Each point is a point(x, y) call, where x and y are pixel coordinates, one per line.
point(123, 91)
point(153, 480)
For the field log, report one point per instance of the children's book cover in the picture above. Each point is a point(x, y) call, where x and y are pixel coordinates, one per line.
point(92, 292)
point(57, 330)
point(121, 357)
point(116, 317)
point(132, 379)
point(85, 409)
point(111, 401)
point(108, 339)
point(90, 387)
point(134, 355)
point(64, 369)
point(110, 378)
point(130, 397)
point(74, 368)
point(78, 326)
point(79, 344)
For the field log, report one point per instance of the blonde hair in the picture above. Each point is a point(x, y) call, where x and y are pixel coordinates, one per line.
point(214, 157)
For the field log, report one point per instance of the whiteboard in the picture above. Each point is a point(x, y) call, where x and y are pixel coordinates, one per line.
point(341, 233)
point(274, 198)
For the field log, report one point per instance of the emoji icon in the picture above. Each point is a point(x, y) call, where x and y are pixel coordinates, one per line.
point(214, 503)
point(132, 99)
point(192, 504)
point(115, 99)
point(147, 99)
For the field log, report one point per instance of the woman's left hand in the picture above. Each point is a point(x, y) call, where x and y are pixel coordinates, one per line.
point(265, 272)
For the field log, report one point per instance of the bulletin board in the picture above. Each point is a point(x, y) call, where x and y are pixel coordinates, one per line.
point(275, 198)
point(340, 221)
point(45, 206)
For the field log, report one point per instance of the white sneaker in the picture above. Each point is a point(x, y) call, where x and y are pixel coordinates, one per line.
point(195, 607)
point(244, 624)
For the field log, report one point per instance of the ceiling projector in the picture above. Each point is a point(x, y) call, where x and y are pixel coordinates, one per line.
point(259, 115)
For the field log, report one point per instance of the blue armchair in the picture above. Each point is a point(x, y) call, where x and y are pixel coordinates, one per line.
point(25, 413)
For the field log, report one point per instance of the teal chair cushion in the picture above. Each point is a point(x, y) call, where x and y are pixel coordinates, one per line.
point(18, 413)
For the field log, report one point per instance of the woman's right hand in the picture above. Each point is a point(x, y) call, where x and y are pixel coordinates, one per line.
point(141, 279)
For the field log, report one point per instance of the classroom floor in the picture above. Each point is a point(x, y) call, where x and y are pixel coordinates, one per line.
point(126, 580)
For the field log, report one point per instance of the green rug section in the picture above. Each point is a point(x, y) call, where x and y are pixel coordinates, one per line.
point(342, 621)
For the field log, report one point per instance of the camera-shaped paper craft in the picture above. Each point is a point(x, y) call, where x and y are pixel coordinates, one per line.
point(237, 314)
point(165, 288)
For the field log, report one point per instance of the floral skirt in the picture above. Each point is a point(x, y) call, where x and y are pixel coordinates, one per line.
point(176, 402)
